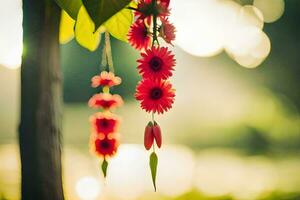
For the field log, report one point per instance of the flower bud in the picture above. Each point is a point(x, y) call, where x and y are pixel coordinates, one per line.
point(148, 136)
point(157, 134)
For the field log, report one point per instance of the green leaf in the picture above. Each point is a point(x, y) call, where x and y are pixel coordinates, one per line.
point(70, 6)
point(84, 31)
point(101, 10)
point(119, 24)
point(153, 166)
point(104, 167)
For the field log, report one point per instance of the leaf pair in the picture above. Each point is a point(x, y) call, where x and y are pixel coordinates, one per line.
point(93, 17)
point(101, 10)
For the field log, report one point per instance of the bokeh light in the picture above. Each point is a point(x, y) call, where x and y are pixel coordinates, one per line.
point(213, 25)
point(11, 33)
point(125, 171)
point(249, 46)
point(175, 170)
point(88, 188)
point(271, 9)
point(229, 174)
point(250, 16)
point(205, 30)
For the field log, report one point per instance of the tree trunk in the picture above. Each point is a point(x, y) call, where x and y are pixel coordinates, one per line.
point(41, 102)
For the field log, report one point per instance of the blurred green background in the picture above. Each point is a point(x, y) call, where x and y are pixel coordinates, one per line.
point(233, 133)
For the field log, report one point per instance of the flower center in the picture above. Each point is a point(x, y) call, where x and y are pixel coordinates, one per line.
point(104, 123)
point(156, 93)
point(156, 63)
point(104, 144)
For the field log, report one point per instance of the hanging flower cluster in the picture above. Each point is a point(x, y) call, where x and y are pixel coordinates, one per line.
point(156, 65)
point(104, 140)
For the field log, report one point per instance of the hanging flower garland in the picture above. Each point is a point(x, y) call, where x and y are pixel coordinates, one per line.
point(156, 65)
point(104, 139)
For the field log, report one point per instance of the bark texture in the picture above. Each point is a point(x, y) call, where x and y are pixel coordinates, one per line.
point(41, 102)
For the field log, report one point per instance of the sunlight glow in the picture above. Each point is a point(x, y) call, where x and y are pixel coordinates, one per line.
point(249, 46)
point(11, 33)
point(129, 175)
point(213, 25)
point(175, 170)
point(250, 16)
point(222, 173)
point(200, 31)
point(88, 188)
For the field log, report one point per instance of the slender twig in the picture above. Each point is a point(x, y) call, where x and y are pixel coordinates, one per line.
point(104, 58)
point(154, 30)
point(108, 52)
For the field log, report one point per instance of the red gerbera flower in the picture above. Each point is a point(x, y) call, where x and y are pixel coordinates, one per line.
point(165, 3)
point(104, 147)
point(105, 101)
point(167, 31)
point(138, 35)
point(156, 63)
point(104, 123)
point(155, 95)
point(146, 9)
point(106, 79)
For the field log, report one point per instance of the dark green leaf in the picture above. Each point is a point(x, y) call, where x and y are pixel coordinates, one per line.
point(70, 6)
point(101, 10)
point(104, 167)
point(153, 167)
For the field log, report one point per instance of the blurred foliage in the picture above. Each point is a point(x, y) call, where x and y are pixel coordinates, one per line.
point(281, 196)
point(3, 197)
point(252, 141)
point(194, 194)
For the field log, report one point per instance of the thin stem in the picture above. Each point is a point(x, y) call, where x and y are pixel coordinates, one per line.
point(154, 30)
point(104, 59)
point(153, 117)
point(108, 52)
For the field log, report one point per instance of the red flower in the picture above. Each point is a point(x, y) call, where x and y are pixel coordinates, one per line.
point(104, 147)
point(146, 9)
point(106, 79)
point(104, 123)
point(165, 3)
point(105, 101)
point(155, 95)
point(156, 63)
point(148, 136)
point(138, 35)
point(167, 31)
